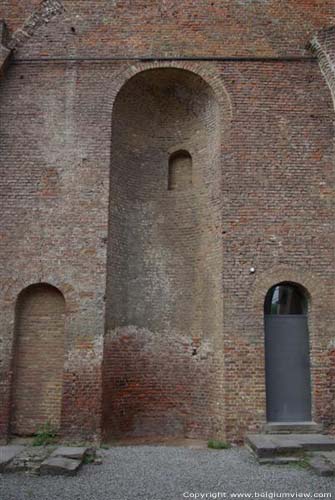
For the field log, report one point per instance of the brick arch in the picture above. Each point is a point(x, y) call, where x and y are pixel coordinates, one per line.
point(309, 283)
point(303, 290)
point(208, 74)
point(13, 287)
point(264, 281)
point(38, 359)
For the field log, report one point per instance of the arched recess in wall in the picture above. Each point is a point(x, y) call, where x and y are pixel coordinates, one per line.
point(287, 354)
point(38, 359)
point(164, 279)
point(180, 171)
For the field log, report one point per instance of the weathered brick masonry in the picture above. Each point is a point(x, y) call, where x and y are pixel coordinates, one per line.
point(144, 318)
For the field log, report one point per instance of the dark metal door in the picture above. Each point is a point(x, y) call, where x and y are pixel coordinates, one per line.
point(288, 380)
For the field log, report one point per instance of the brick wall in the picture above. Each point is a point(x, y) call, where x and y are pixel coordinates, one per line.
point(57, 225)
point(85, 202)
point(323, 45)
point(170, 28)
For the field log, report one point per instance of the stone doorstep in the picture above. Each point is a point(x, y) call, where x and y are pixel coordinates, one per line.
point(284, 445)
point(261, 445)
point(267, 445)
point(59, 465)
point(279, 460)
point(293, 428)
point(315, 442)
point(7, 453)
point(285, 449)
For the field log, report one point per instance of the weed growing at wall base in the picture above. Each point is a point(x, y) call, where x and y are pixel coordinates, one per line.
point(218, 445)
point(45, 435)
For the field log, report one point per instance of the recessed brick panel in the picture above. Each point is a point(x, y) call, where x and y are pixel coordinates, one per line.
point(38, 360)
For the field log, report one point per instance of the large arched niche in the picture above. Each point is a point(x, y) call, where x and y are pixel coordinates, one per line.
point(164, 279)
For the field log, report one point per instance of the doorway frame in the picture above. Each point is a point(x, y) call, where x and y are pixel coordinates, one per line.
point(305, 303)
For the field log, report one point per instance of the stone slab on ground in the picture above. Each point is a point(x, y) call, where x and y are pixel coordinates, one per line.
point(321, 466)
point(330, 456)
point(57, 466)
point(29, 459)
point(7, 453)
point(76, 452)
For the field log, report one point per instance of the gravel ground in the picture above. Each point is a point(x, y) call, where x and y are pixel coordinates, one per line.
point(168, 473)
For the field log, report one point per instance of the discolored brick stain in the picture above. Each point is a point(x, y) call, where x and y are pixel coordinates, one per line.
point(163, 328)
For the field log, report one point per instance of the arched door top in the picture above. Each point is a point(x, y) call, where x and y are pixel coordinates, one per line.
point(286, 298)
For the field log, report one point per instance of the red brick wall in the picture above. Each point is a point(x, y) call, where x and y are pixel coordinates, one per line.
point(173, 28)
point(38, 360)
point(54, 228)
point(323, 45)
point(276, 211)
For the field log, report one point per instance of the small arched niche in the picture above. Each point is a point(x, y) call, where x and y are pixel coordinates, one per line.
point(287, 354)
point(180, 171)
point(38, 359)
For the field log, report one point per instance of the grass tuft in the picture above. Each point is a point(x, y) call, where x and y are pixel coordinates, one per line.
point(89, 458)
point(218, 445)
point(45, 435)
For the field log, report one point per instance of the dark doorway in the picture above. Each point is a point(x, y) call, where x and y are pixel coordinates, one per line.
point(287, 359)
